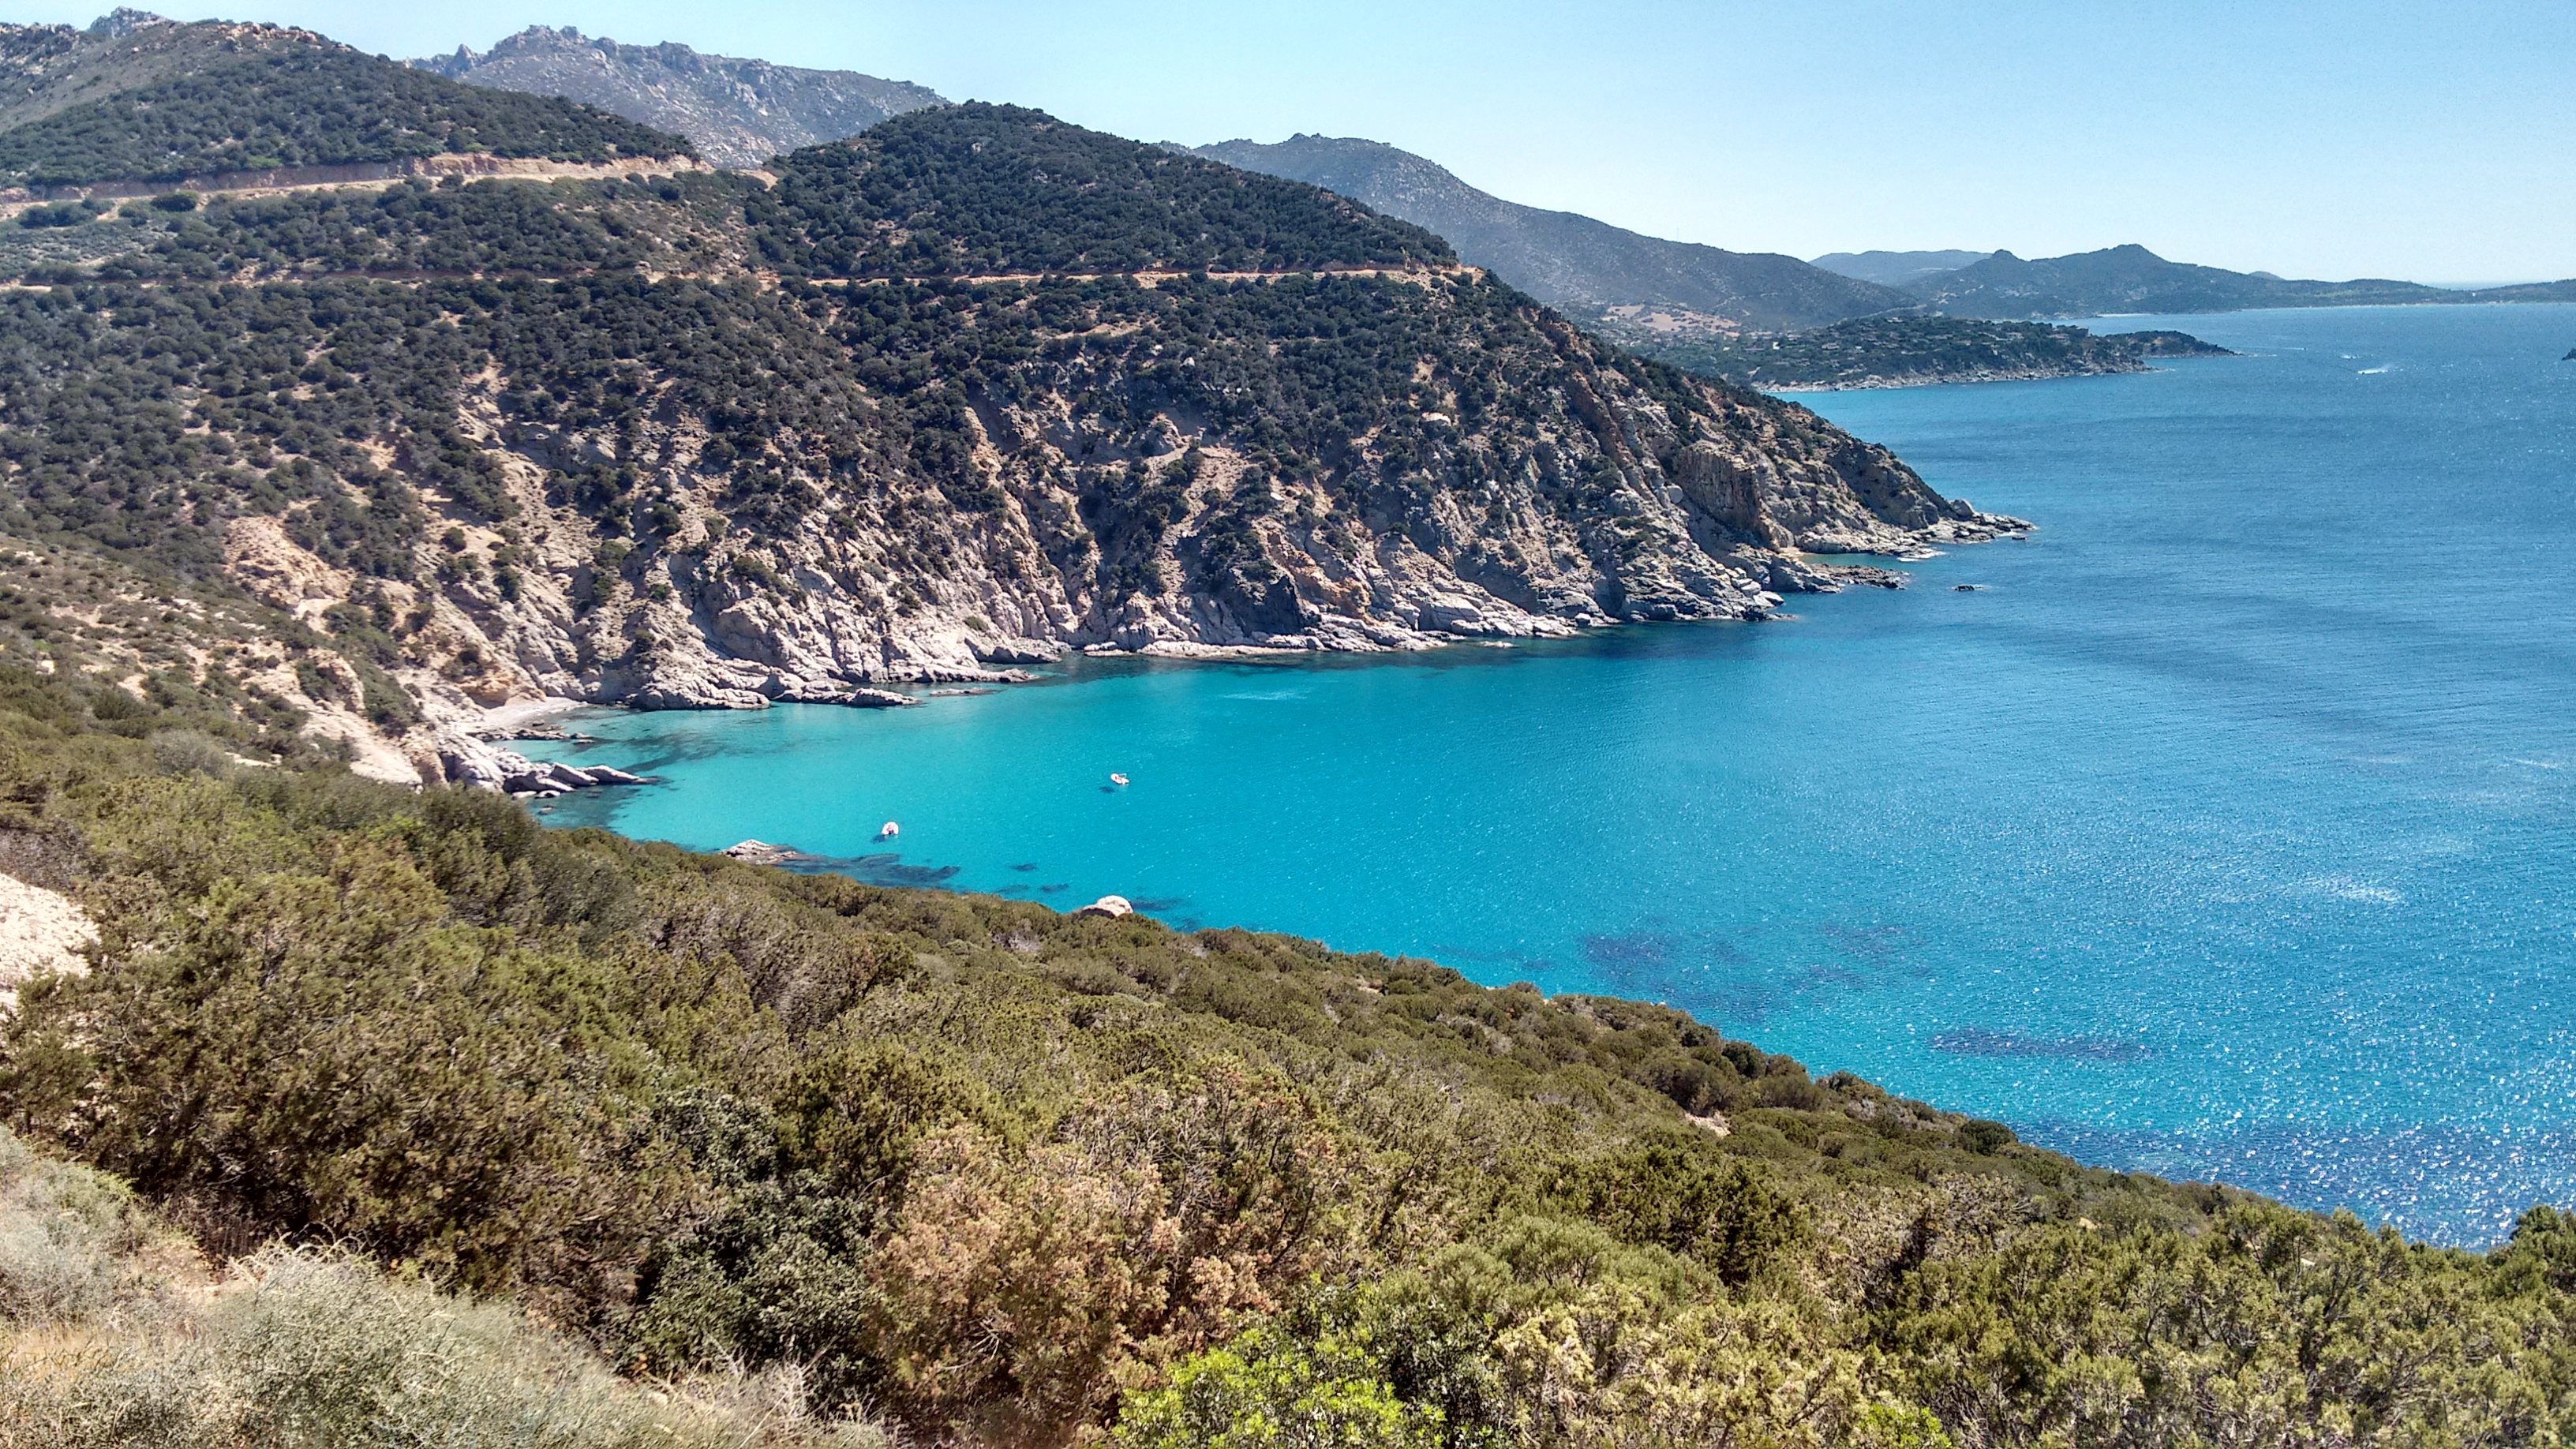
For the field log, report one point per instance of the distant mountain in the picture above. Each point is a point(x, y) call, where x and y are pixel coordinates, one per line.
point(1895, 269)
point(1571, 262)
point(739, 112)
point(2133, 279)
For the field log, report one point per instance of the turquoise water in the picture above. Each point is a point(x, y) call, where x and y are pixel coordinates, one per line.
point(2225, 832)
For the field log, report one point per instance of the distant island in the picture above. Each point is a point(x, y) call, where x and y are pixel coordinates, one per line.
point(1914, 351)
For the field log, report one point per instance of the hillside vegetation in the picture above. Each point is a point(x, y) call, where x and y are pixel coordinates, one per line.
point(49, 68)
point(981, 189)
point(1003, 1176)
point(305, 107)
point(972, 389)
point(116, 1331)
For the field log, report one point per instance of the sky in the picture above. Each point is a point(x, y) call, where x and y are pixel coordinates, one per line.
point(2432, 142)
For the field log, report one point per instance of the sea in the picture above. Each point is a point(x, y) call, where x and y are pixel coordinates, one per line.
point(2223, 829)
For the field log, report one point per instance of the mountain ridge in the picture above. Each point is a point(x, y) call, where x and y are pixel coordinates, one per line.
point(1895, 269)
point(1569, 261)
point(2130, 278)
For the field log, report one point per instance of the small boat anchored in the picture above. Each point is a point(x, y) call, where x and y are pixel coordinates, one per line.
point(1118, 780)
point(890, 831)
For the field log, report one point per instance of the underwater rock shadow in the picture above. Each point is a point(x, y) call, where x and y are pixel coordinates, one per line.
point(875, 870)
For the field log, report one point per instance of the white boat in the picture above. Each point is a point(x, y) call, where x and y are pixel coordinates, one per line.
point(1118, 780)
point(890, 831)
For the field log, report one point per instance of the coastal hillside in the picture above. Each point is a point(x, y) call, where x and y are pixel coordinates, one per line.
point(739, 113)
point(224, 104)
point(952, 397)
point(1573, 263)
point(914, 1167)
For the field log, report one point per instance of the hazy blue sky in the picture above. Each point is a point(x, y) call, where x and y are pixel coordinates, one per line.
point(2432, 141)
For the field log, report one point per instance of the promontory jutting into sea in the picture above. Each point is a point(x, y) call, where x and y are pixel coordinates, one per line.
point(704, 752)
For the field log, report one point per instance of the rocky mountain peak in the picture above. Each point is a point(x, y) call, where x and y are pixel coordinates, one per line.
point(740, 112)
point(124, 21)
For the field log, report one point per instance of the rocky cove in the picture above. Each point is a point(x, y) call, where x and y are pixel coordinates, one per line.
point(694, 440)
point(2171, 841)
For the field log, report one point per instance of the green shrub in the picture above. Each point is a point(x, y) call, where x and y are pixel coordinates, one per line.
point(1262, 1393)
point(1984, 1136)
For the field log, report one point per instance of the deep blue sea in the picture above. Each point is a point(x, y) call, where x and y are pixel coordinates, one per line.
point(2228, 830)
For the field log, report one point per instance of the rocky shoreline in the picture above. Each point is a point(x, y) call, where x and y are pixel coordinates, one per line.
point(466, 745)
point(2032, 373)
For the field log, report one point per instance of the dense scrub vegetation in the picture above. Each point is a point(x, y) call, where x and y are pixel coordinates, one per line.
point(142, 417)
point(49, 68)
point(115, 1331)
point(1882, 351)
point(981, 189)
point(306, 107)
point(406, 341)
point(630, 390)
point(1002, 1174)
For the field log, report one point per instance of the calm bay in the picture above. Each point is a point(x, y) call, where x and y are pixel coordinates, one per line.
point(2222, 830)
